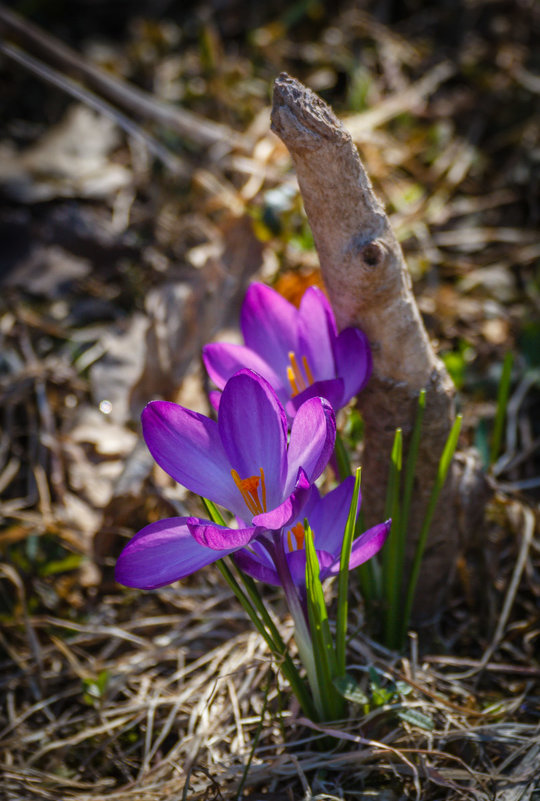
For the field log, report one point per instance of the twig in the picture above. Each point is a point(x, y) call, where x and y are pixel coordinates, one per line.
point(521, 783)
point(528, 526)
point(355, 738)
point(411, 98)
point(493, 667)
point(173, 163)
point(186, 123)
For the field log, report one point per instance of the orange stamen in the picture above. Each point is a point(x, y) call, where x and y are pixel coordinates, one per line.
point(299, 380)
point(249, 490)
point(307, 371)
point(299, 535)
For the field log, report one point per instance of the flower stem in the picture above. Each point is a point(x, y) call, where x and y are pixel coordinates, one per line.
point(298, 614)
point(342, 459)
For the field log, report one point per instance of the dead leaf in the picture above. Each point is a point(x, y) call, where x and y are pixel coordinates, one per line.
point(70, 160)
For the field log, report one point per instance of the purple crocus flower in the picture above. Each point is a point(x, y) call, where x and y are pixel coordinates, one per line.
point(242, 462)
point(327, 518)
point(298, 351)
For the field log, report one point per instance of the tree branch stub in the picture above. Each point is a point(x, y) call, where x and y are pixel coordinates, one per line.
point(369, 287)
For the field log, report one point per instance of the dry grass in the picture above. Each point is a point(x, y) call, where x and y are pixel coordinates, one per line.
point(120, 695)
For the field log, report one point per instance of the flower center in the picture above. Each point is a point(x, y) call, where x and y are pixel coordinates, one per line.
point(299, 380)
point(249, 490)
point(299, 536)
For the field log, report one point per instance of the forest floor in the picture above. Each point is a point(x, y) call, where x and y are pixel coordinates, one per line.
point(129, 231)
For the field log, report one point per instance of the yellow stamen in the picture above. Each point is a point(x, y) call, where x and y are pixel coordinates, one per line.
point(299, 380)
point(296, 370)
point(249, 490)
point(292, 381)
point(307, 371)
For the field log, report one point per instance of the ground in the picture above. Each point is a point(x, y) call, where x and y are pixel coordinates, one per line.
point(129, 234)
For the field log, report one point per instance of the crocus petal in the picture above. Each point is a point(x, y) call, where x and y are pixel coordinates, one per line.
point(253, 429)
point(353, 361)
point(214, 396)
point(188, 447)
point(269, 324)
point(297, 565)
point(290, 509)
point(313, 435)
point(363, 548)
point(332, 390)
point(218, 538)
point(257, 567)
point(222, 361)
point(312, 502)
point(161, 553)
point(317, 333)
point(328, 517)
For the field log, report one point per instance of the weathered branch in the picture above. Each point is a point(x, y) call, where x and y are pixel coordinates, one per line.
point(117, 91)
point(173, 163)
point(369, 287)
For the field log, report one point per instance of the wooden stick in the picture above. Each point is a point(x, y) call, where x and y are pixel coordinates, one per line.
point(369, 287)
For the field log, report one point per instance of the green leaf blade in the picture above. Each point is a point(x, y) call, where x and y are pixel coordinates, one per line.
point(442, 472)
point(323, 646)
point(343, 578)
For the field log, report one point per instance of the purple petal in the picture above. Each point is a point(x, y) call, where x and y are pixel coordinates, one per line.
point(328, 517)
point(188, 447)
point(256, 566)
point(161, 553)
point(313, 434)
point(317, 333)
point(210, 535)
point(253, 429)
point(297, 565)
point(364, 547)
point(290, 508)
point(312, 503)
point(222, 361)
point(353, 361)
point(332, 390)
point(269, 324)
point(214, 396)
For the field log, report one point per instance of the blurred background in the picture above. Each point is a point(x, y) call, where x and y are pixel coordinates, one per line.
point(140, 191)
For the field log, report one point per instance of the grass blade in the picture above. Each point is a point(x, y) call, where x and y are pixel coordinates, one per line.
point(393, 614)
point(393, 549)
point(213, 512)
point(321, 636)
point(279, 649)
point(342, 459)
point(410, 466)
point(502, 402)
point(260, 606)
point(368, 574)
point(343, 579)
point(442, 472)
point(392, 492)
point(257, 612)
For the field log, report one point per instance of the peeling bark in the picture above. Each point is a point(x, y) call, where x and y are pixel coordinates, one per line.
point(369, 287)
